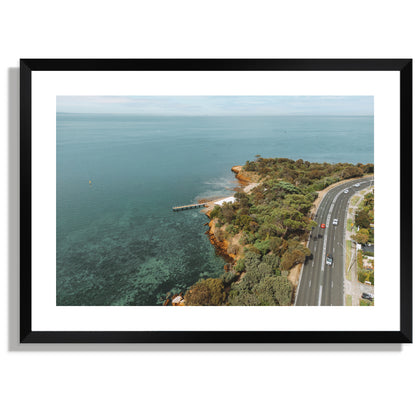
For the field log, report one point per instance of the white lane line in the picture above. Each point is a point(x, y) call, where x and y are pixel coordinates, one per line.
point(320, 296)
point(332, 285)
point(310, 283)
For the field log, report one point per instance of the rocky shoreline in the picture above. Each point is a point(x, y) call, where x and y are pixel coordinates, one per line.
point(246, 182)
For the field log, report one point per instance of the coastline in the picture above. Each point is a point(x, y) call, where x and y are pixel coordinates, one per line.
point(247, 183)
point(231, 239)
point(222, 246)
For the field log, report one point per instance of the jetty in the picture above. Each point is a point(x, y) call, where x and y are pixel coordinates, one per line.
point(184, 207)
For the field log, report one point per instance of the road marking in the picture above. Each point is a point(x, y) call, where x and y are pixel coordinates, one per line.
point(310, 283)
point(332, 285)
point(320, 296)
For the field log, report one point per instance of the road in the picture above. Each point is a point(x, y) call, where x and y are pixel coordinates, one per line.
point(321, 284)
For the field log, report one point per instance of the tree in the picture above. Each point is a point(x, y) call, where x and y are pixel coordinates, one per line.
point(352, 172)
point(274, 290)
point(362, 219)
point(362, 236)
point(228, 211)
point(273, 261)
point(262, 246)
point(208, 292)
point(292, 257)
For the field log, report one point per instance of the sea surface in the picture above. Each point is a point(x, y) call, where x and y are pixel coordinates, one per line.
point(118, 240)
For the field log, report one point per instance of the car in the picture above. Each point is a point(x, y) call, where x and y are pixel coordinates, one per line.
point(335, 221)
point(357, 184)
point(346, 191)
point(367, 296)
point(329, 259)
point(323, 225)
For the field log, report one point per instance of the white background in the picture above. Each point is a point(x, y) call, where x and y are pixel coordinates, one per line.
point(47, 85)
point(290, 379)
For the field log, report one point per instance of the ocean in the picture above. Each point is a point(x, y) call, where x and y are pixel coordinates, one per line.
point(118, 176)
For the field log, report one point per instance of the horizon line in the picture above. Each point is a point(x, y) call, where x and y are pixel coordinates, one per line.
point(218, 115)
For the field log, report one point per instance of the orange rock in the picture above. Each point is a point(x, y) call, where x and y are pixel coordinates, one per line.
point(245, 178)
point(220, 246)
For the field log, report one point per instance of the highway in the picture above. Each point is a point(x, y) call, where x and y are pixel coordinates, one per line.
point(321, 284)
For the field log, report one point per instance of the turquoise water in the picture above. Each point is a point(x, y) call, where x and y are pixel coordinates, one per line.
point(118, 241)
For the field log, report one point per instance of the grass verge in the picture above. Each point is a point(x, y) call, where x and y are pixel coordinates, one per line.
point(366, 302)
point(348, 300)
point(348, 255)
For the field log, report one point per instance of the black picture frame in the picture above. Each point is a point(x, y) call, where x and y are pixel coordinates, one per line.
point(403, 66)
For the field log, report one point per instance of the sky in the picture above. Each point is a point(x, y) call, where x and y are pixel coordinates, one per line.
point(218, 105)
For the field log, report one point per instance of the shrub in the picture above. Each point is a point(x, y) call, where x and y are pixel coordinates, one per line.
point(228, 278)
point(273, 261)
point(209, 292)
point(240, 266)
point(362, 276)
point(262, 246)
point(274, 291)
point(215, 212)
point(292, 257)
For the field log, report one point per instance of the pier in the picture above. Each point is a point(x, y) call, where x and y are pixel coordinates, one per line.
point(184, 207)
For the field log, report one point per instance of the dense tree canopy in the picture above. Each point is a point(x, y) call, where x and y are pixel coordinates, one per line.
point(272, 223)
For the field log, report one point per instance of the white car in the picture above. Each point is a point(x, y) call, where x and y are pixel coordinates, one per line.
point(346, 191)
point(335, 221)
point(357, 184)
point(329, 259)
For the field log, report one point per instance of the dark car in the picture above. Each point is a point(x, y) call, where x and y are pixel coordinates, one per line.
point(367, 296)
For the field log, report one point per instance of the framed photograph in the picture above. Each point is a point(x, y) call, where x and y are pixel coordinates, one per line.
point(216, 201)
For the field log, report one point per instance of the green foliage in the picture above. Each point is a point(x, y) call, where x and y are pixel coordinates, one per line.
point(227, 211)
point(228, 278)
point(270, 291)
point(215, 212)
point(231, 229)
point(252, 260)
point(262, 246)
point(275, 244)
point(273, 261)
point(352, 172)
point(361, 236)
point(362, 276)
point(287, 187)
point(208, 292)
point(362, 219)
point(240, 266)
